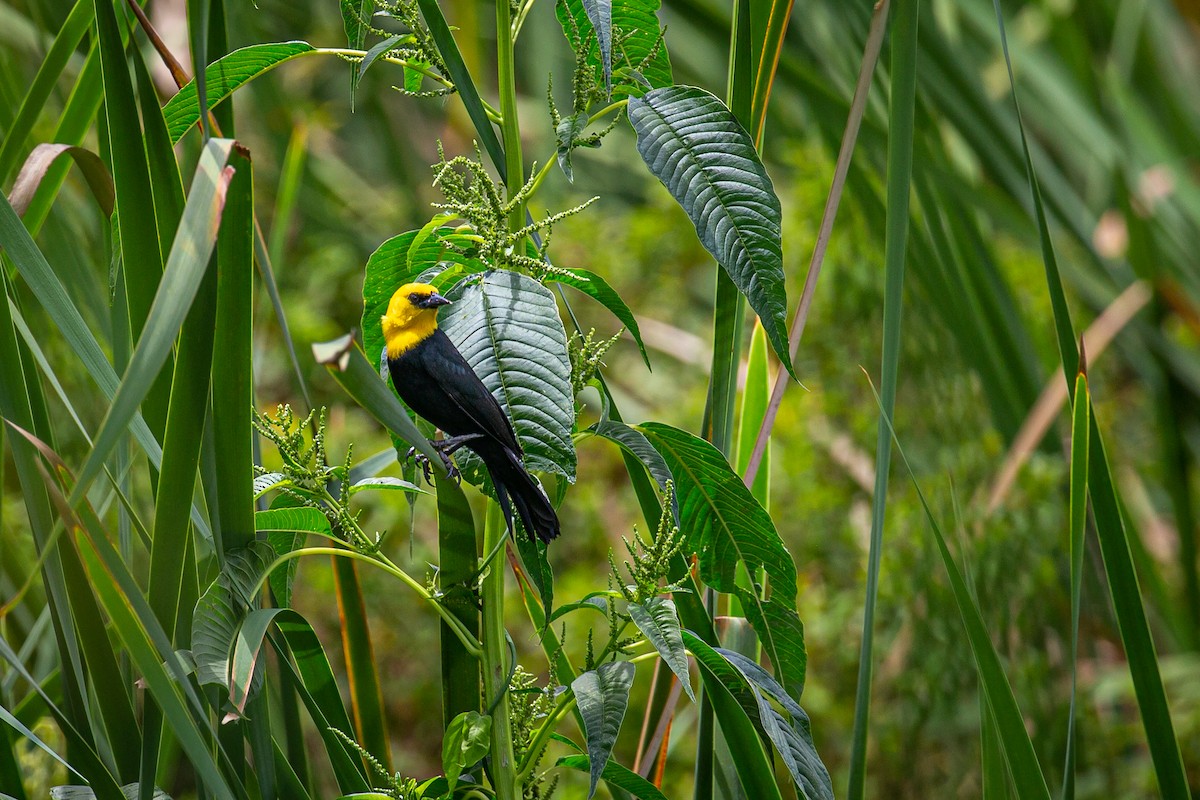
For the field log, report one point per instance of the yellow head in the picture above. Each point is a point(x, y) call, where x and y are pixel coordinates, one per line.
point(411, 317)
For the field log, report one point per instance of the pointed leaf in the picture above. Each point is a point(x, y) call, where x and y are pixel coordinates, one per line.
point(386, 483)
point(603, 695)
point(616, 775)
point(356, 15)
point(225, 76)
point(638, 54)
point(508, 329)
point(221, 609)
point(599, 13)
point(598, 289)
point(726, 527)
point(467, 740)
point(693, 144)
point(791, 737)
point(658, 622)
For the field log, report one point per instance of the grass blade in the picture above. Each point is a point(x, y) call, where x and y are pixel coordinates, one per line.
point(1081, 422)
point(1110, 526)
point(899, 178)
point(366, 696)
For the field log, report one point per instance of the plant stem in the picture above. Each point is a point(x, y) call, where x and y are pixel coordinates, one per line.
point(510, 128)
point(469, 642)
point(495, 669)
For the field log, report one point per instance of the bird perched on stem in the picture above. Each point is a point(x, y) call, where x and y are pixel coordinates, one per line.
point(436, 382)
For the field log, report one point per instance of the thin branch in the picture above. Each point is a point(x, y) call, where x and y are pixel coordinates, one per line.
point(849, 138)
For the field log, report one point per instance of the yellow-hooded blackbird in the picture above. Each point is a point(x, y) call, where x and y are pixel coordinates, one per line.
point(436, 382)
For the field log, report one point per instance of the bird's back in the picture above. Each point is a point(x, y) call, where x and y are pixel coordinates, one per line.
point(436, 382)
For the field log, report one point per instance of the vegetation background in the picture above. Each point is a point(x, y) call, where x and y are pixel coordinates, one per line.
point(1112, 105)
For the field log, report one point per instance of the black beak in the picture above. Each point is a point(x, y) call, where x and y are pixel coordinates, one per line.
point(433, 301)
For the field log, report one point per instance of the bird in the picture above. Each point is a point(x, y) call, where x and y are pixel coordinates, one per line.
point(435, 381)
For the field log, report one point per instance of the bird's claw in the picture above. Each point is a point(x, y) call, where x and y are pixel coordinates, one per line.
point(422, 460)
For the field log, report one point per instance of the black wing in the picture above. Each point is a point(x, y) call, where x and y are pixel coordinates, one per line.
point(438, 383)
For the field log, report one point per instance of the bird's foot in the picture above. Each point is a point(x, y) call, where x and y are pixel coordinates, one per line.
point(422, 460)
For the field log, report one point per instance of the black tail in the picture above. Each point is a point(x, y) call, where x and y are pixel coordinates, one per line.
point(512, 481)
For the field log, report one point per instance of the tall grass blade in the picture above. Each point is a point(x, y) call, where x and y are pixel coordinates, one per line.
point(1080, 425)
point(457, 562)
point(899, 179)
point(366, 696)
point(1023, 766)
point(1110, 526)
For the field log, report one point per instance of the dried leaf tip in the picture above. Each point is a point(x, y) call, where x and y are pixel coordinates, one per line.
point(1083, 365)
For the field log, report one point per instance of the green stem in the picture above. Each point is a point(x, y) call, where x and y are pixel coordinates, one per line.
point(469, 642)
point(495, 669)
point(510, 126)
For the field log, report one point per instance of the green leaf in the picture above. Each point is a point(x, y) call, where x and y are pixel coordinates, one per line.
point(130, 790)
point(603, 695)
point(1119, 569)
point(225, 76)
point(356, 14)
point(659, 624)
point(615, 775)
point(791, 735)
point(467, 740)
point(377, 50)
point(221, 609)
point(403, 259)
point(635, 443)
point(736, 710)
point(599, 13)
point(1080, 427)
point(693, 144)
point(725, 526)
point(286, 530)
point(458, 561)
point(635, 33)
point(1019, 753)
point(599, 290)
point(567, 132)
point(186, 267)
point(385, 483)
point(507, 327)
point(533, 552)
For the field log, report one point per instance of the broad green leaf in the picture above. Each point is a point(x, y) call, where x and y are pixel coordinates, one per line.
point(603, 695)
point(458, 562)
point(737, 712)
point(638, 51)
point(221, 609)
point(659, 624)
point(403, 259)
point(635, 443)
point(693, 144)
point(725, 526)
point(790, 734)
point(599, 290)
point(615, 775)
point(225, 76)
point(507, 327)
point(286, 530)
point(467, 740)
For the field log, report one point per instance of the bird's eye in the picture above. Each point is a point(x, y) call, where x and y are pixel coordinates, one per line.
point(414, 298)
